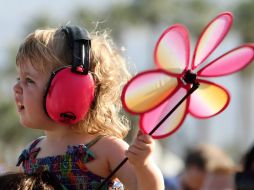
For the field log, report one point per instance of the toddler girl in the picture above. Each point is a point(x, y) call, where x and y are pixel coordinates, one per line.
point(80, 154)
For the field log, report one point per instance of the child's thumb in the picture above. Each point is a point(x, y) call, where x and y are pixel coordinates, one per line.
point(140, 133)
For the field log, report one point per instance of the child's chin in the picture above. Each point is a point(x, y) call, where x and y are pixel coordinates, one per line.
point(26, 124)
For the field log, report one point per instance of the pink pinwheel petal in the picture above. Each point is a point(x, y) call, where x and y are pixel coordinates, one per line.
point(153, 94)
point(173, 49)
point(208, 100)
point(150, 119)
point(230, 62)
point(211, 37)
point(147, 90)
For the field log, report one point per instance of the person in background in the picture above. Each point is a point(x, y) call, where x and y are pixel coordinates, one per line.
point(203, 164)
point(38, 181)
point(220, 169)
point(192, 176)
point(244, 179)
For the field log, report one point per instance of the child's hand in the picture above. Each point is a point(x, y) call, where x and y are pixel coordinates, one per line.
point(140, 151)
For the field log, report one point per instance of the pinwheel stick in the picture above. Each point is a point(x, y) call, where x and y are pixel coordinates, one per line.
point(191, 90)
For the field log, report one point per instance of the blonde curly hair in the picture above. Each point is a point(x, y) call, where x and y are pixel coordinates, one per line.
point(47, 50)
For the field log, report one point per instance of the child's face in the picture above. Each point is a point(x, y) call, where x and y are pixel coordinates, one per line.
point(28, 92)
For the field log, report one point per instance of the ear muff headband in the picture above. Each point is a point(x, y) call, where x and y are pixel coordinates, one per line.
point(79, 41)
point(70, 89)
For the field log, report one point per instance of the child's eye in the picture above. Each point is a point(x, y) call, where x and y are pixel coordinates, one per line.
point(18, 79)
point(28, 80)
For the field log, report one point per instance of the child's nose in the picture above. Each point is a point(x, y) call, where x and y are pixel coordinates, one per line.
point(17, 88)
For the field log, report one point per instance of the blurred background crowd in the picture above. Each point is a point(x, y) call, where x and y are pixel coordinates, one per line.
point(217, 146)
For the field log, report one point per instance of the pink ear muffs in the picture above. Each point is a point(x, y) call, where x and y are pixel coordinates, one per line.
point(69, 96)
point(70, 90)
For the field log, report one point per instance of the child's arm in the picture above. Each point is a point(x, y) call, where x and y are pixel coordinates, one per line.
point(140, 172)
point(140, 156)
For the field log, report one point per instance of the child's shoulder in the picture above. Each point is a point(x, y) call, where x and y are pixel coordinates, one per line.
point(113, 142)
point(109, 145)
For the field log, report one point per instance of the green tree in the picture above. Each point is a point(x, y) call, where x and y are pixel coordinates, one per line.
point(244, 15)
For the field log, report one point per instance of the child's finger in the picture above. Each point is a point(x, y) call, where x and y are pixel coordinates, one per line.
point(135, 149)
point(137, 152)
point(140, 133)
point(141, 145)
point(145, 138)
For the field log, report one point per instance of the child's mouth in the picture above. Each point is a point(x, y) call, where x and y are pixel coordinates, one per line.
point(20, 107)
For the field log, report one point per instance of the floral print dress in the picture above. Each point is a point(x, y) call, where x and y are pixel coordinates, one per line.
point(70, 168)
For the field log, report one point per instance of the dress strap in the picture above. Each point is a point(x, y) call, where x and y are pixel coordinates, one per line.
point(95, 140)
point(34, 143)
point(30, 152)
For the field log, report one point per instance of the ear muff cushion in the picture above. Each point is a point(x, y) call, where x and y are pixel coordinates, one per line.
point(69, 96)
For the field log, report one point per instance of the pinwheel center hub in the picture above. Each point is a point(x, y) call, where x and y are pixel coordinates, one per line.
point(189, 77)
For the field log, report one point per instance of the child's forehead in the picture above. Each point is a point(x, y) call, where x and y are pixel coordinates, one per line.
point(27, 68)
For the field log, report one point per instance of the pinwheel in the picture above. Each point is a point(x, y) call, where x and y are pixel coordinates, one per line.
point(164, 96)
point(154, 93)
